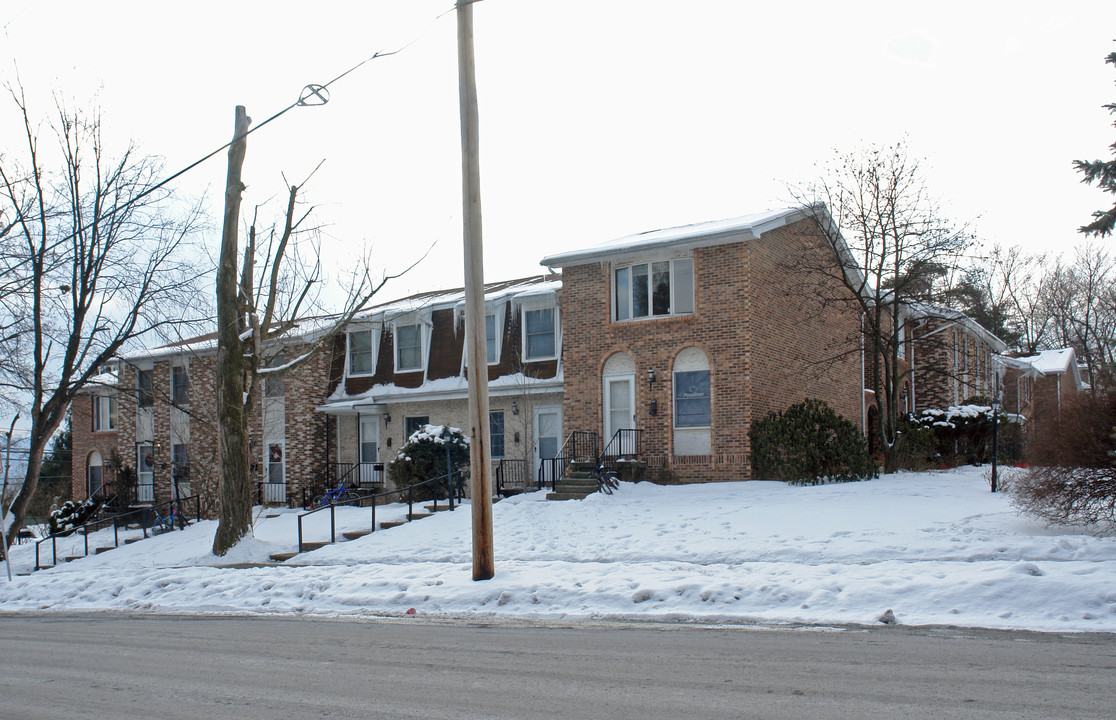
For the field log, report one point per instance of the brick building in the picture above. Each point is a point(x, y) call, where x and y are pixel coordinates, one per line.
point(690, 334)
point(1036, 386)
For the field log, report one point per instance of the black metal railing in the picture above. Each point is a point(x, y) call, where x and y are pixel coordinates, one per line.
point(580, 446)
point(269, 493)
point(357, 476)
point(144, 516)
point(624, 445)
point(453, 485)
point(511, 475)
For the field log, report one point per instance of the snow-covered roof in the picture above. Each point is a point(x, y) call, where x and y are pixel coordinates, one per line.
point(1057, 361)
point(940, 312)
point(442, 389)
point(704, 234)
point(439, 300)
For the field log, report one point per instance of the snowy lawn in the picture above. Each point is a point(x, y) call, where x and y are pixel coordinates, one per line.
point(935, 548)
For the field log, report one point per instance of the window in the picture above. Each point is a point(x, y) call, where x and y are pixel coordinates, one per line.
point(180, 386)
point(274, 384)
point(145, 388)
point(275, 466)
point(654, 289)
point(496, 432)
point(360, 353)
point(692, 406)
point(104, 413)
point(490, 339)
point(408, 348)
point(539, 337)
point(413, 424)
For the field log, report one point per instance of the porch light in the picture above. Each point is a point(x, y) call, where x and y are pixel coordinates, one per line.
point(517, 438)
point(387, 417)
point(650, 376)
point(515, 408)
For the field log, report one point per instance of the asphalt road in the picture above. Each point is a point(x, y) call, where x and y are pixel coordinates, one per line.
point(127, 666)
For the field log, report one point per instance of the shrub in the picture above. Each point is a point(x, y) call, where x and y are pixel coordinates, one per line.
point(72, 515)
point(423, 456)
point(1072, 480)
point(963, 433)
point(808, 444)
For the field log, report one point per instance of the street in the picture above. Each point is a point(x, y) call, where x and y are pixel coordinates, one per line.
point(115, 665)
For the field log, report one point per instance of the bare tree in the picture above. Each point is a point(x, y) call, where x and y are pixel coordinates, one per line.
point(1079, 296)
point(272, 306)
point(92, 258)
point(891, 252)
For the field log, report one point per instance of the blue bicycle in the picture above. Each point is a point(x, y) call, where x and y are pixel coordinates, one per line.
point(166, 523)
point(338, 496)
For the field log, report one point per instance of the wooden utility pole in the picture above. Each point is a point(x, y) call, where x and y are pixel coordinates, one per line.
point(236, 499)
point(480, 453)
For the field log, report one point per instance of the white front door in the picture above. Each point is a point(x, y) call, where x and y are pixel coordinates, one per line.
point(619, 405)
point(369, 449)
point(548, 434)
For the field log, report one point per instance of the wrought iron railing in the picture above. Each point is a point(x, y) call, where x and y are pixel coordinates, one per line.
point(624, 445)
point(143, 516)
point(452, 485)
point(580, 446)
point(358, 475)
point(511, 475)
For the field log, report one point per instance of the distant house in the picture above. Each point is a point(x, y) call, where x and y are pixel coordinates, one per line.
point(1036, 386)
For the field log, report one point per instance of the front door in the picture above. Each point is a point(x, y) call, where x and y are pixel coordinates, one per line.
point(548, 435)
point(619, 406)
point(369, 449)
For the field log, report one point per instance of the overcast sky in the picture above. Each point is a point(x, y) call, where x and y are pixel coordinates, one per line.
point(599, 118)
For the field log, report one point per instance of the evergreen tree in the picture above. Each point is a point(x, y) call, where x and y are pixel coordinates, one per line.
point(1103, 173)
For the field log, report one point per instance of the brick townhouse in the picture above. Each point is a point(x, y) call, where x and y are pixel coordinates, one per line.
point(1036, 386)
point(666, 345)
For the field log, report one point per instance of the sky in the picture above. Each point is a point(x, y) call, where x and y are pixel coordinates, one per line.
point(933, 548)
point(598, 119)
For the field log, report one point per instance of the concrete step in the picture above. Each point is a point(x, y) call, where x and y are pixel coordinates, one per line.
point(393, 523)
point(419, 516)
point(129, 541)
point(100, 550)
point(272, 515)
point(311, 546)
point(71, 558)
point(442, 506)
point(567, 495)
point(354, 534)
point(283, 556)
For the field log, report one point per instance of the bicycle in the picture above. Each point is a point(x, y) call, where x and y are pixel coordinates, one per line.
point(166, 524)
point(338, 496)
point(607, 480)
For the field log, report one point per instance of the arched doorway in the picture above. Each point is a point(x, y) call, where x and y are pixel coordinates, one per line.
point(95, 473)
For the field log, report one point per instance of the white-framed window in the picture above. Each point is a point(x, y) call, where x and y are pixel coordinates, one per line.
point(496, 432)
point(409, 353)
point(104, 413)
point(491, 340)
point(413, 424)
point(692, 399)
point(653, 289)
point(180, 385)
point(540, 334)
point(362, 351)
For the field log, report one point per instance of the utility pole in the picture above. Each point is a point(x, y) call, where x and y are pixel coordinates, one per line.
point(480, 452)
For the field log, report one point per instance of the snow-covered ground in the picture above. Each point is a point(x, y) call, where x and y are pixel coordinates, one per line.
point(935, 548)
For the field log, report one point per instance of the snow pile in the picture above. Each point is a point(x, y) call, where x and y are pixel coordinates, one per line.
point(932, 548)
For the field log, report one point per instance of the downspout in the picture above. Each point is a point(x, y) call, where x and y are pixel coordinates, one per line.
point(863, 402)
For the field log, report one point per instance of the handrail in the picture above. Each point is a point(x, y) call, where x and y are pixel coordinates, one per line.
point(91, 526)
point(454, 489)
point(624, 442)
point(579, 445)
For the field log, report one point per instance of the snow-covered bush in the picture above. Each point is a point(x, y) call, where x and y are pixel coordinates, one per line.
point(809, 444)
point(423, 456)
point(72, 515)
point(964, 432)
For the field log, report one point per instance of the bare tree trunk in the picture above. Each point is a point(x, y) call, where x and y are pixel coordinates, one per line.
point(235, 517)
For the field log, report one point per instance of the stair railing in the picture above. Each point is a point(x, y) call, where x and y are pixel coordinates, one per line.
point(580, 446)
point(625, 443)
point(86, 528)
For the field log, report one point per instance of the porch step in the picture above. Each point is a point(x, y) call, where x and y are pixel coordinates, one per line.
point(283, 556)
point(354, 534)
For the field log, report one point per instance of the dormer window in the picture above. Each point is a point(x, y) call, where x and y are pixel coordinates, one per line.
point(654, 289)
point(540, 334)
point(491, 348)
point(362, 358)
point(408, 348)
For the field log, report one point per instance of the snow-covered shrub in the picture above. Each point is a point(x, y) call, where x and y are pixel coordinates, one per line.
point(423, 456)
point(964, 432)
point(72, 515)
point(809, 444)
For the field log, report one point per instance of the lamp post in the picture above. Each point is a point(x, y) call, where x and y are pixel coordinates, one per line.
point(995, 438)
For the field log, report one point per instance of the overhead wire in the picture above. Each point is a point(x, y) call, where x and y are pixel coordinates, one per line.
point(301, 102)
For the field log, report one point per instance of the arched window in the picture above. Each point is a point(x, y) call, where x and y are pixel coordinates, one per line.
point(692, 403)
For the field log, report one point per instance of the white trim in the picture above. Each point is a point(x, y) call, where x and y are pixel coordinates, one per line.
point(557, 332)
point(374, 334)
point(424, 343)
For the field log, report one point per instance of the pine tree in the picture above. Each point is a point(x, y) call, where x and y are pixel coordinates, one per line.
point(1103, 173)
